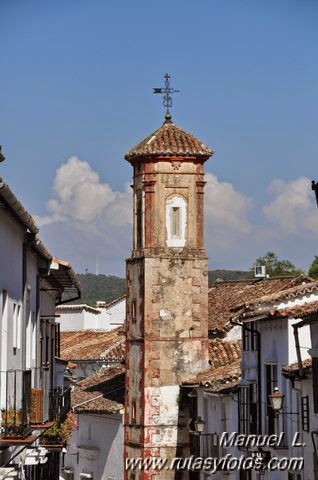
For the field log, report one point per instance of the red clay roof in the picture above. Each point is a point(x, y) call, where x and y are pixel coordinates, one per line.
point(225, 296)
point(101, 393)
point(294, 368)
point(172, 141)
point(260, 308)
point(90, 345)
point(225, 371)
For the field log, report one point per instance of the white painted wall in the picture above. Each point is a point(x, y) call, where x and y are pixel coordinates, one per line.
point(220, 413)
point(96, 446)
point(107, 319)
point(117, 314)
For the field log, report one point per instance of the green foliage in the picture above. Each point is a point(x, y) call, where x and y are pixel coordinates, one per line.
point(60, 432)
point(276, 267)
point(100, 287)
point(53, 433)
point(107, 288)
point(313, 269)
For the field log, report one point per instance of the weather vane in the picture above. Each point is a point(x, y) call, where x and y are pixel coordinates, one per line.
point(166, 91)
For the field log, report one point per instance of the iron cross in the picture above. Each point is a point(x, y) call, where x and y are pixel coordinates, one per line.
point(166, 91)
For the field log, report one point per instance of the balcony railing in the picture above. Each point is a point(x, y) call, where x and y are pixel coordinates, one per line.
point(15, 403)
point(59, 403)
point(206, 445)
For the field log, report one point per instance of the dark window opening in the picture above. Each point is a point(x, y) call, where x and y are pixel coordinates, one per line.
point(247, 409)
point(134, 311)
point(250, 338)
point(133, 411)
point(175, 222)
point(271, 383)
point(139, 222)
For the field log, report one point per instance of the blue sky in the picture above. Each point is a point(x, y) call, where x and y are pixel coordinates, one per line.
point(76, 81)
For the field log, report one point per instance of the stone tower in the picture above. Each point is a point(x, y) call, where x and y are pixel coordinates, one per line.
point(167, 291)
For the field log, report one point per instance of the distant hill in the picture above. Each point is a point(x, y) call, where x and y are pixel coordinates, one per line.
point(100, 287)
point(108, 287)
point(227, 275)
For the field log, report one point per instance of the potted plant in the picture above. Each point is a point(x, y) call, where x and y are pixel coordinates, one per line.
point(59, 433)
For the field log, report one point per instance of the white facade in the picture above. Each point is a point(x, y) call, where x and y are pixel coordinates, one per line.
point(74, 318)
point(29, 291)
point(96, 447)
point(278, 349)
point(116, 311)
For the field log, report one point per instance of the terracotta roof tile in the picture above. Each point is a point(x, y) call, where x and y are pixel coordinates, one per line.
point(170, 140)
point(101, 393)
point(90, 345)
point(286, 293)
point(260, 308)
point(293, 368)
point(225, 371)
point(297, 311)
point(225, 296)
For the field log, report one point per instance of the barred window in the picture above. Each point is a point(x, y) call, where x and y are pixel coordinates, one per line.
point(271, 383)
point(247, 409)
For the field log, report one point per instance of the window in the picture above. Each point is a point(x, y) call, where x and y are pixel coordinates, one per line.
point(250, 339)
point(139, 221)
point(57, 340)
point(315, 382)
point(16, 327)
point(247, 409)
point(176, 220)
point(133, 411)
point(134, 311)
point(271, 383)
point(245, 474)
point(305, 413)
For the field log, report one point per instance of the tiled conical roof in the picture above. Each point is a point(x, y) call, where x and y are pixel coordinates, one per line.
point(170, 140)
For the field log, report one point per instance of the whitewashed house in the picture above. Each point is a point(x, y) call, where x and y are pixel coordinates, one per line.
point(79, 317)
point(277, 349)
point(116, 312)
point(303, 379)
point(103, 317)
point(225, 398)
point(32, 283)
point(96, 447)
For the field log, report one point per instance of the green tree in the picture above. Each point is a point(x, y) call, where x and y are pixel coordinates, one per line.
point(276, 267)
point(313, 269)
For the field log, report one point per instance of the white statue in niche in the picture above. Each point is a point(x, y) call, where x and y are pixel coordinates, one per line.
point(176, 220)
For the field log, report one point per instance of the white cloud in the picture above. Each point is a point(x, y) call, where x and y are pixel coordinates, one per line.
point(86, 219)
point(79, 195)
point(226, 212)
point(293, 208)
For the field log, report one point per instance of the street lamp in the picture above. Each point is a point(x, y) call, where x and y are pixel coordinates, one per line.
point(314, 187)
point(2, 157)
point(199, 425)
point(277, 400)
